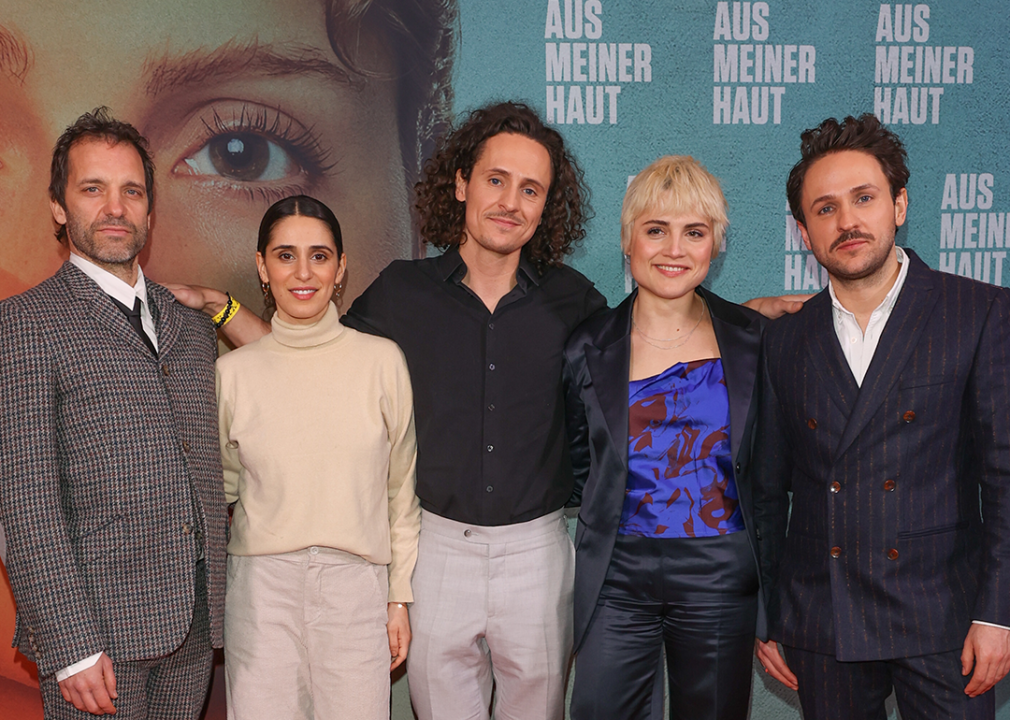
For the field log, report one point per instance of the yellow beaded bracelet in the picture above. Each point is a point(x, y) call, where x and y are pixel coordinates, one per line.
point(229, 311)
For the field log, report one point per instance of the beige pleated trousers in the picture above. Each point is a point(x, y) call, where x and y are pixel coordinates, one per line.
point(305, 637)
point(491, 605)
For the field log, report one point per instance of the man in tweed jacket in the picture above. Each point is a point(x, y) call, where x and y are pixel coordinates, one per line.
point(110, 474)
point(884, 411)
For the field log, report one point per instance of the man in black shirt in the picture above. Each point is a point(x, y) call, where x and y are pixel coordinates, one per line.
point(482, 327)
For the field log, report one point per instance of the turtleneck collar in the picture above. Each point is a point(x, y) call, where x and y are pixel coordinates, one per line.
point(305, 336)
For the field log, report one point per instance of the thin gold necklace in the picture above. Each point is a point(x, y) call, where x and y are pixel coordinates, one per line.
point(656, 342)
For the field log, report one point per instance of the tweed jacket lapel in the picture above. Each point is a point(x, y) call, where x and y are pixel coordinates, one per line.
point(167, 323)
point(901, 334)
point(826, 357)
point(100, 307)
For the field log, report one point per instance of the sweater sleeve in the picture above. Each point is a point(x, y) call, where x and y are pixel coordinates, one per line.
point(229, 450)
point(404, 508)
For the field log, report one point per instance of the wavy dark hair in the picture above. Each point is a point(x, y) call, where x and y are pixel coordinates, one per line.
point(442, 218)
point(95, 125)
point(300, 206)
point(865, 134)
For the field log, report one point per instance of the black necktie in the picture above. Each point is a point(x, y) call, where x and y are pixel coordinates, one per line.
point(133, 317)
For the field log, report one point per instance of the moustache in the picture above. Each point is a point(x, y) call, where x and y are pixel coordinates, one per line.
point(508, 216)
point(851, 235)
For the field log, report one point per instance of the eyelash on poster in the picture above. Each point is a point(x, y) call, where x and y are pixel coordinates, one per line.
point(300, 142)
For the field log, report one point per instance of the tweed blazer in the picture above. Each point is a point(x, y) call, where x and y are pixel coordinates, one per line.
point(110, 473)
point(596, 371)
point(886, 553)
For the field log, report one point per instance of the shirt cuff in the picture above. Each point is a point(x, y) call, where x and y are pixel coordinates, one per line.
point(77, 667)
point(982, 622)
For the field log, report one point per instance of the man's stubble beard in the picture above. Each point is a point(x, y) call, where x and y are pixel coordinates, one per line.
point(874, 263)
point(83, 238)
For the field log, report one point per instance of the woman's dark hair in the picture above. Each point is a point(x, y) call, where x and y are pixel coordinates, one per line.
point(294, 206)
point(864, 134)
point(421, 37)
point(442, 218)
point(95, 125)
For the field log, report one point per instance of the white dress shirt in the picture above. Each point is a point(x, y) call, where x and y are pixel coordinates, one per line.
point(857, 346)
point(121, 291)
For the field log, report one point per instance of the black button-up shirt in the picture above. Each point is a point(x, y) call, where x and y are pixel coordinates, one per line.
point(488, 404)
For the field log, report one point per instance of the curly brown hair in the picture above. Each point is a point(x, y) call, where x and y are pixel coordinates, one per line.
point(442, 218)
point(865, 134)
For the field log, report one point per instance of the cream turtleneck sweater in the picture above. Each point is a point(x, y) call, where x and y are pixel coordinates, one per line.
point(317, 441)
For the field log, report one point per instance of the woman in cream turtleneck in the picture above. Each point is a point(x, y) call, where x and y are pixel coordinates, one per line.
point(317, 439)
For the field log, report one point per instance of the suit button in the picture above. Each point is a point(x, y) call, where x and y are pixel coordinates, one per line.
point(738, 468)
point(165, 371)
point(812, 424)
point(909, 416)
point(467, 532)
point(187, 529)
point(835, 487)
point(836, 552)
point(185, 447)
point(892, 554)
point(889, 486)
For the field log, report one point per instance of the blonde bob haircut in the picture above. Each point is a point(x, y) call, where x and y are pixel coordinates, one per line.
point(675, 185)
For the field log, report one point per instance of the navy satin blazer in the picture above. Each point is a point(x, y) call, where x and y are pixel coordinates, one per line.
point(596, 370)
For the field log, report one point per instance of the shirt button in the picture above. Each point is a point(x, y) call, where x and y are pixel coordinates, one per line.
point(836, 552)
point(889, 485)
point(313, 550)
point(892, 554)
point(491, 366)
point(812, 424)
point(490, 448)
point(490, 407)
point(835, 487)
point(490, 326)
point(489, 488)
point(852, 340)
point(467, 533)
point(909, 416)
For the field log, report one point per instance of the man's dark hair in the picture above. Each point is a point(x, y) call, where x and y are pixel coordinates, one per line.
point(420, 37)
point(442, 218)
point(95, 125)
point(864, 134)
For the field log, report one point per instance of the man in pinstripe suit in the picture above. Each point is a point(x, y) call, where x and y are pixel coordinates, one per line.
point(885, 409)
point(110, 475)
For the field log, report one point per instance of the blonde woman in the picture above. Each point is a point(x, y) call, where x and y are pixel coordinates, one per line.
point(661, 398)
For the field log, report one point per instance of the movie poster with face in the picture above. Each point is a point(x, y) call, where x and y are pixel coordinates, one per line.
point(248, 101)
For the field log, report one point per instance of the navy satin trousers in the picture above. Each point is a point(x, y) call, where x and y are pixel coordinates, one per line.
point(698, 596)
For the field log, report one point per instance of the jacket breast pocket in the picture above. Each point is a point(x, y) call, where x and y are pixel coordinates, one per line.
point(916, 381)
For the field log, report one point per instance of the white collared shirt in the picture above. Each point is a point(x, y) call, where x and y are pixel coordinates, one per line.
point(121, 291)
point(858, 346)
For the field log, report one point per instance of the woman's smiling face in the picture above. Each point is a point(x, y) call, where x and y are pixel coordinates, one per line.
point(241, 107)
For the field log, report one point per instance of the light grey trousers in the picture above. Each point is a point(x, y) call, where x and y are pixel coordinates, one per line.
point(305, 637)
point(491, 604)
